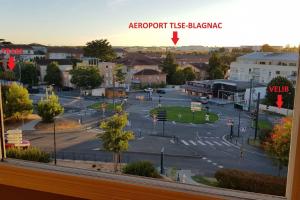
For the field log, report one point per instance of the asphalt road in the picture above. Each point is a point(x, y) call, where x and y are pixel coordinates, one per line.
point(201, 148)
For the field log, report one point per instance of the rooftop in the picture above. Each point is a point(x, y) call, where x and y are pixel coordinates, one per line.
point(270, 56)
point(59, 61)
point(73, 50)
point(148, 72)
point(133, 59)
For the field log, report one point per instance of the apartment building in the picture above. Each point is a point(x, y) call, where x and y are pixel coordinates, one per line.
point(262, 67)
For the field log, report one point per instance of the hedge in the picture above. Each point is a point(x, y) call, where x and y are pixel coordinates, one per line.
point(141, 168)
point(32, 154)
point(251, 182)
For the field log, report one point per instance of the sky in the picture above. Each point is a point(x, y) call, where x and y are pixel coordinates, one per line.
point(75, 22)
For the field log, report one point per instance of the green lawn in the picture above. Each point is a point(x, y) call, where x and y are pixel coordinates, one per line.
point(206, 180)
point(185, 115)
point(97, 106)
point(264, 124)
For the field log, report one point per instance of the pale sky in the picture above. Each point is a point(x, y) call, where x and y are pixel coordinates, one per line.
point(75, 22)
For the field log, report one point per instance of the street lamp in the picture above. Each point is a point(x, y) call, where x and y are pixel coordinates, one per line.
point(159, 105)
point(54, 140)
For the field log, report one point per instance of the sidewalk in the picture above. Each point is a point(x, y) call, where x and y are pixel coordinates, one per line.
point(30, 126)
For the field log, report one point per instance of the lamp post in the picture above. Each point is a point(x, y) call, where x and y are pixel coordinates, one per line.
point(159, 105)
point(257, 113)
point(162, 160)
point(250, 95)
point(54, 140)
point(239, 123)
point(2, 144)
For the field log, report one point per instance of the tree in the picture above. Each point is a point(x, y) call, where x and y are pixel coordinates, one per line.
point(114, 138)
point(278, 146)
point(17, 103)
point(86, 77)
point(169, 66)
point(178, 77)
point(100, 49)
point(189, 74)
point(53, 74)
point(49, 108)
point(29, 74)
point(120, 76)
point(267, 48)
point(288, 97)
point(215, 67)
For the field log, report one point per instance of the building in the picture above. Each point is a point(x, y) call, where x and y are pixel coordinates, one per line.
point(149, 77)
point(183, 59)
point(136, 62)
point(106, 70)
point(262, 67)
point(200, 70)
point(65, 53)
point(65, 66)
point(233, 91)
point(19, 52)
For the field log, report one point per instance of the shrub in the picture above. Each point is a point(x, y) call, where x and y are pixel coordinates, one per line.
point(49, 108)
point(251, 182)
point(141, 168)
point(32, 154)
point(264, 134)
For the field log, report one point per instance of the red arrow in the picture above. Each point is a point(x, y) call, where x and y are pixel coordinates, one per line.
point(175, 37)
point(11, 63)
point(279, 101)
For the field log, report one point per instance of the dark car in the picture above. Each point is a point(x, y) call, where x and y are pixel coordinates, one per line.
point(65, 88)
point(160, 91)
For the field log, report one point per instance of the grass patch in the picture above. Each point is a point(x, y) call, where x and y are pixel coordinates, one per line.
point(264, 124)
point(97, 106)
point(185, 115)
point(206, 180)
point(256, 143)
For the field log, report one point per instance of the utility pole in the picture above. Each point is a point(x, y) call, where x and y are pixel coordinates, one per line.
point(250, 95)
point(239, 123)
point(2, 140)
point(162, 160)
point(54, 140)
point(257, 113)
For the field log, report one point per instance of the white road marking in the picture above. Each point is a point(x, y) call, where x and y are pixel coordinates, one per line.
point(96, 149)
point(214, 163)
point(220, 166)
point(202, 143)
point(208, 133)
point(172, 141)
point(209, 161)
point(217, 143)
point(184, 142)
point(193, 143)
point(204, 158)
point(226, 144)
point(173, 122)
point(211, 144)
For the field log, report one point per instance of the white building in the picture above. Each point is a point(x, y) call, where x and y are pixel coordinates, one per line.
point(264, 66)
point(64, 65)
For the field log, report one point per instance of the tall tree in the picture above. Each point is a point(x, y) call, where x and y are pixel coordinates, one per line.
point(120, 76)
point(114, 138)
point(29, 74)
point(288, 97)
point(267, 48)
point(100, 49)
point(278, 146)
point(17, 103)
point(215, 67)
point(86, 77)
point(49, 108)
point(169, 66)
point(53, 74)
point(189, 74)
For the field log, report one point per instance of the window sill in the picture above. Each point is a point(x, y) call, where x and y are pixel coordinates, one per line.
point(98, 185)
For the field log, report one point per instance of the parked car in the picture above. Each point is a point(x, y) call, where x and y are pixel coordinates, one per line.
point(148, 90)
point(65, 88)
point(203, 100)
point(160, 91)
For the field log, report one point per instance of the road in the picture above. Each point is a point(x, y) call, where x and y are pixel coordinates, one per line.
point(202, 148)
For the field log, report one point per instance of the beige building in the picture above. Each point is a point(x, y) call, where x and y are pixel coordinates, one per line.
point(149, 77)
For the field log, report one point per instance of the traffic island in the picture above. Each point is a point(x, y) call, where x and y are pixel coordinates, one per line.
point(185, 115)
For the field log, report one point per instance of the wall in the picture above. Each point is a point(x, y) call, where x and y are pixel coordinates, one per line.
point(282, 111)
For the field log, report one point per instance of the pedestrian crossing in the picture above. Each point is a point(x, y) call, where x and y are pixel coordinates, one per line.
point(204, 142)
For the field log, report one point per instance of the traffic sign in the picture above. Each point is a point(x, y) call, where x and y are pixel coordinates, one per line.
point(196, 106)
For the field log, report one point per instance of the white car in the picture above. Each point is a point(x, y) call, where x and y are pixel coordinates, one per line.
point(148, 90)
